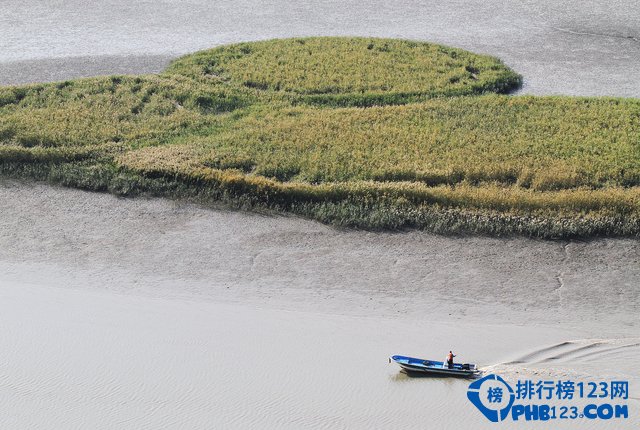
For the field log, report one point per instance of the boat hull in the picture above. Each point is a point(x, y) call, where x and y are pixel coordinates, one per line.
point(420, 365)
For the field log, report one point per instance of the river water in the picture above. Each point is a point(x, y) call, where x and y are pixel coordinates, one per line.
point(579, 47)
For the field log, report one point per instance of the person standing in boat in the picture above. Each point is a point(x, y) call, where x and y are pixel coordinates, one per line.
point(450, 356)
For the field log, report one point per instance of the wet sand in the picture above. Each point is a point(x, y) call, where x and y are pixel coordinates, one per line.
point(62, 69)
point(147, 313)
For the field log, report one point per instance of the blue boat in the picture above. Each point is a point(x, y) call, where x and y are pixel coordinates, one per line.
point(420, 365)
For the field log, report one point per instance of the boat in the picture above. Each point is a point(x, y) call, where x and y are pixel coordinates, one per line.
point(420, 365)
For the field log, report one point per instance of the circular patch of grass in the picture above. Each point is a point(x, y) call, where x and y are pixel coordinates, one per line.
point(339, 71)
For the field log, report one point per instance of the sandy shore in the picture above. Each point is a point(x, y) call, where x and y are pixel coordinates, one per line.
point(121, 313)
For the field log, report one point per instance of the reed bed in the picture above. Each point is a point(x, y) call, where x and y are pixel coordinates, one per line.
point(338, 71)
point(542, 143)
point(420, 143)
point(126, 110)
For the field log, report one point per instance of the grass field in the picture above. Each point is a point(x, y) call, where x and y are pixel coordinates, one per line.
point(361, 72)
point(371, 133)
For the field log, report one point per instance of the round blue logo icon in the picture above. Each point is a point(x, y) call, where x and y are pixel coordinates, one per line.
point(492, 396)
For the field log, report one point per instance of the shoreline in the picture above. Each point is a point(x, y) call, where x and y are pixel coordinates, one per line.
point(278, 259)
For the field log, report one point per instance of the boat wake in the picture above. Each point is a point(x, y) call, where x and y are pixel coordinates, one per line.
point(582, 350)
point(584, 357)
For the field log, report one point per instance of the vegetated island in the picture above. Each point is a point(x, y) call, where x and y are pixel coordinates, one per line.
point(362, 132)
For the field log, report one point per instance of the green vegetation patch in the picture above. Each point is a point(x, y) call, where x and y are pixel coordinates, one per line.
point(74, 119)
point(351, 71)
point(543, 143)
point(264, 125)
